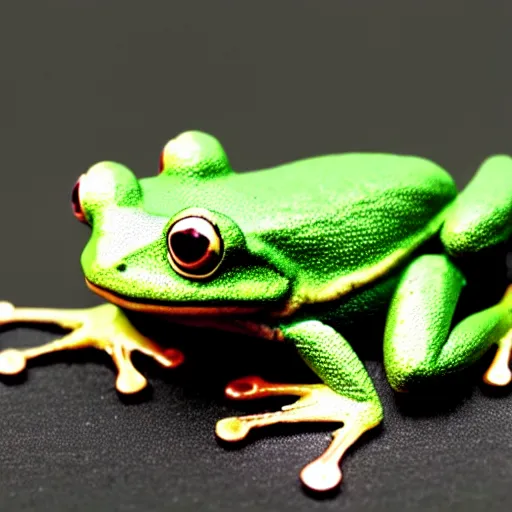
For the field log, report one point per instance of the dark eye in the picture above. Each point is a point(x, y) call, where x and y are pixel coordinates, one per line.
point(195, 247)
point(76, 205)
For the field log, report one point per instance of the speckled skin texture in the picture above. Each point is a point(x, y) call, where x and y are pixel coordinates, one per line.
point(419, 341)
point(293, 229)
point(481, 216)
point(307, 249)
point(332, 358)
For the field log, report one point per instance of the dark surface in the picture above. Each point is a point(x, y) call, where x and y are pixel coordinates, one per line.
point(83, 81)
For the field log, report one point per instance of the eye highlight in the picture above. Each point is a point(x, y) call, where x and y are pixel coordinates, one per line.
point(76, 205)
point(195, 247)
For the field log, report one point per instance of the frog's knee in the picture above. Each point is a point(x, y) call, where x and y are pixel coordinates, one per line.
point(403, 376)
point(402, 382)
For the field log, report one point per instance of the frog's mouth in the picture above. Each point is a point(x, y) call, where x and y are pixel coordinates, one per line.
point(164, 308)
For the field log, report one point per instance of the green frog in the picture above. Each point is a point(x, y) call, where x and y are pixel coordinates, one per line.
point(291, 254)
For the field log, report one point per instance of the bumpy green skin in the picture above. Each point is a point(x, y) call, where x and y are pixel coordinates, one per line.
point(332, 358)
point(418, 342)
point(318, 240)
point(299, 226)
point(481, 217)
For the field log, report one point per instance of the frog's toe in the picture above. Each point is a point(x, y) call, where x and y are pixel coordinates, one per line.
point(250, 387)
point(232, 429)
point(130, 382)
point(499, 373)
point(12, 362)
point(321, 475)
point(6, 312)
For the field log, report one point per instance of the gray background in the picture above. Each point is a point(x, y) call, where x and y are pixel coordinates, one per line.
point(83, 81)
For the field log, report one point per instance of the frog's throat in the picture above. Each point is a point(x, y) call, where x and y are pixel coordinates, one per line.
point(346, 284)
point(165, 309)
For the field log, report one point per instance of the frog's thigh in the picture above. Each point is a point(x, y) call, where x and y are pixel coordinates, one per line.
point(419, 341)
point(481, 216)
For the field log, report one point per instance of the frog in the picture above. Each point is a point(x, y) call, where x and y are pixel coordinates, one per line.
point(290, 254)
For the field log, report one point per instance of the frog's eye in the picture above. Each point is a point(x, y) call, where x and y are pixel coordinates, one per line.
point(195, 247)
point(76, 204)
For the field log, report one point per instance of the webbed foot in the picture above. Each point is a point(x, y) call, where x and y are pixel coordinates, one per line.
point(317, 402)
point(103, 327)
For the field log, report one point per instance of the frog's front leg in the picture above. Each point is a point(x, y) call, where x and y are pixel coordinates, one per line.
point(104, 327)
point(347, 396)
point(420, 342)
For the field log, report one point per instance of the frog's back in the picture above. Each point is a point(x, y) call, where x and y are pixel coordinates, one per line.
point(328, 184)
point(329, 215)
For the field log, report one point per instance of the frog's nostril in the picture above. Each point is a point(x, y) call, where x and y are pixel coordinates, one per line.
point(121, 267)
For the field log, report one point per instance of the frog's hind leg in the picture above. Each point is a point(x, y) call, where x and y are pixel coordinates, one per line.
point(420, 341)
point(481, 216)
point(347, 396)
point(103, 327)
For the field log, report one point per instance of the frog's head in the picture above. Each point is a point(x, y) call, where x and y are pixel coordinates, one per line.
point(193, 261)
